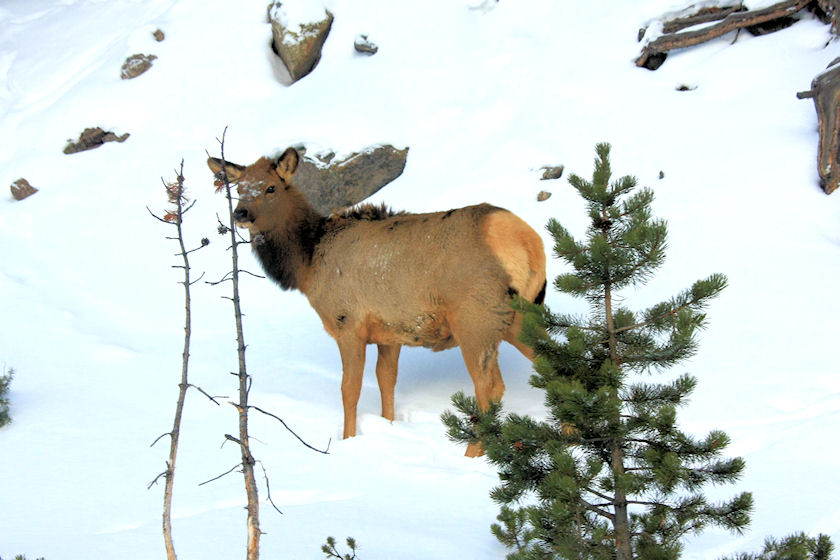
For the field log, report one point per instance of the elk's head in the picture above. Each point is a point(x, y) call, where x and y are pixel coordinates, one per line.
point(266, 196)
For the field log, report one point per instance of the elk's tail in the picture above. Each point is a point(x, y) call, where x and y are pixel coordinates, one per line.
point(520, 251)
point(541, 296)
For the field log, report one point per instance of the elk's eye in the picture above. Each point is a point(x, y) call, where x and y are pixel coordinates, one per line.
point(269, 190)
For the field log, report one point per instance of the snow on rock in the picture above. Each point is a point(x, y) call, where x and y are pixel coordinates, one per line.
point(331, 183)
point(299, 30)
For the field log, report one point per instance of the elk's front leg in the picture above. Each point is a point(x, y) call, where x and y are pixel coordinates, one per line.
point(352, 351)
point(386, 374)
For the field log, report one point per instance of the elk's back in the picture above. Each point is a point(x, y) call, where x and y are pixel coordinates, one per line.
point(400, 280)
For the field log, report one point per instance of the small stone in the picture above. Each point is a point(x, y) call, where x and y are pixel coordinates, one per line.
point(686, 87)
point(365, 45)
point(159, 35)
point(22, 189)
point(543, 196)
point(552, 172)
point(135, 65)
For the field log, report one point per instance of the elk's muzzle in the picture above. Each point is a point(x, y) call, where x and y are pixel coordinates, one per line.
point(242, 215)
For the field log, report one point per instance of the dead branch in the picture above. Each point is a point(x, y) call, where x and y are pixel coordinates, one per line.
point(653, 54)
point(224, 474)
point(268, 489)
point(325, 452)
point(165, 473)
point(203, 392)
point(160, 437)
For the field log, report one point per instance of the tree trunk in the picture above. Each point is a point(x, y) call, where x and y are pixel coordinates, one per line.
point(183, 385)
point(621, 523)
point(825, 90)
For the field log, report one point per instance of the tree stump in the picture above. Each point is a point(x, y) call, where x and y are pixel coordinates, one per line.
point(825, 91)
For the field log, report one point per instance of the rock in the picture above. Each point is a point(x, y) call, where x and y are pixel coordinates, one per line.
point(92, 138)
point(543, 196)
point(331, 184)
point(298, 44)
point(551, 172)
point(365, 45)
point(159, 35)
point(22, 189)
point(135, 65)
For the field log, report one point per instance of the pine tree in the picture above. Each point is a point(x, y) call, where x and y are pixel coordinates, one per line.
point(608, 474)
point(5, 381)
point(797, 546)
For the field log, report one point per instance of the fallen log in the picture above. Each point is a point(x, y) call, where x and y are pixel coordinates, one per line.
point(653, 54)
point(703, 15)
point(825, 91)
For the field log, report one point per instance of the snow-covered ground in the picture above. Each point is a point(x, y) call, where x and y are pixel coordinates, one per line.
point(91, 312)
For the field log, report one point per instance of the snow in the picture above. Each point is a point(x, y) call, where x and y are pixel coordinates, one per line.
point(484, 96)
point(295, 15)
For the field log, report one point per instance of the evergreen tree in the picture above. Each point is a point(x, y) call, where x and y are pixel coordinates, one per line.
point(797, 546)
point(5, 382)
point(608, 474)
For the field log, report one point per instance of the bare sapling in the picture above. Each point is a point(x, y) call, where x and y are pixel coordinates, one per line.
point(223, 184)
point(242, 407)
point(174, 217)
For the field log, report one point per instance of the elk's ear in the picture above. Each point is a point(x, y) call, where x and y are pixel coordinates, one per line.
point(287, 164)
point(234, 172)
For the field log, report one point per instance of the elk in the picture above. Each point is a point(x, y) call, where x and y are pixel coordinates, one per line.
point(374, 276)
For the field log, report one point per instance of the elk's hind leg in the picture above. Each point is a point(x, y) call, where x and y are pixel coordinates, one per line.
point(386, 374)
point(483, 364)
point(512, 336)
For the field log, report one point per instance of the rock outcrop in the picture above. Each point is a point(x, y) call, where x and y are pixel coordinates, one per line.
point(331, 184)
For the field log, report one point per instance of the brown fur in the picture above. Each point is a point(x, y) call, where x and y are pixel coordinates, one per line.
point(437, 280)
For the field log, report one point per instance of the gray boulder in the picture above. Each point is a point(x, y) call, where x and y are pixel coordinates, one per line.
point(298, 44)
point(332, 184)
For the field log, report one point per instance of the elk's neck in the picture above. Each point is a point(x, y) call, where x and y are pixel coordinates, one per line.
point(286, 252)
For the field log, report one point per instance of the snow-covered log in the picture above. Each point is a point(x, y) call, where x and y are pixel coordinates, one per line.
point(656, 48)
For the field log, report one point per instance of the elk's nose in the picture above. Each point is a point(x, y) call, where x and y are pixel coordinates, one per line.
point(240, 214)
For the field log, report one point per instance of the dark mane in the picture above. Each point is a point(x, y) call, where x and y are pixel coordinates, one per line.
point(368, 211)
point(281, 253)
point(362, 212)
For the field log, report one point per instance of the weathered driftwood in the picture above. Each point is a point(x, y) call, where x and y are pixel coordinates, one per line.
point(825, 91)
point(654, 53)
